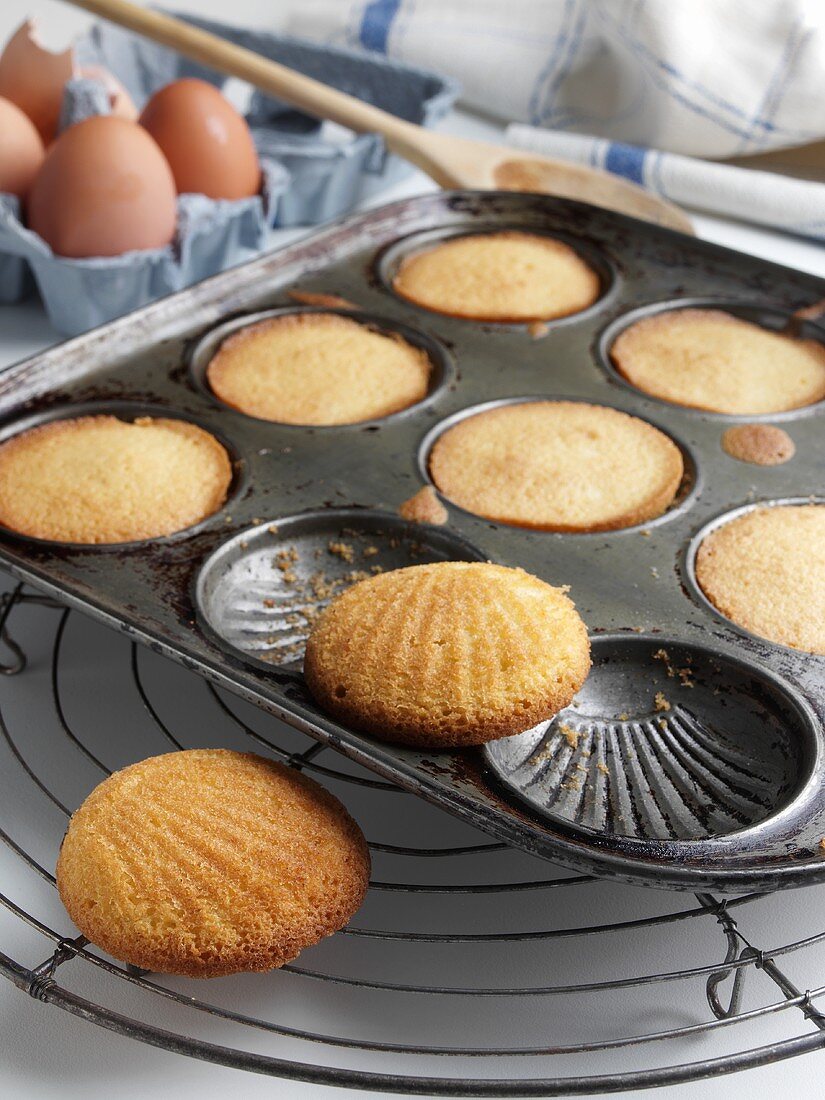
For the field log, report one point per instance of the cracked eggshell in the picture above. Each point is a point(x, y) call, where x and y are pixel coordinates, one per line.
point(33, 78)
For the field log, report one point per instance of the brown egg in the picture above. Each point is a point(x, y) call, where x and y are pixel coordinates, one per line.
point(205, 140)
point(33, 77)
point(104, 188)
point(21, 150)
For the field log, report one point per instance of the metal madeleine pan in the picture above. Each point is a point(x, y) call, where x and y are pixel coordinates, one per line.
point(724, 788)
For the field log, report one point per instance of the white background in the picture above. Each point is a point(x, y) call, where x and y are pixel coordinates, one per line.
point(46, 1053)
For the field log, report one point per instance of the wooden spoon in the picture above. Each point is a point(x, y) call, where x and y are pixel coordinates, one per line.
point(450, 161)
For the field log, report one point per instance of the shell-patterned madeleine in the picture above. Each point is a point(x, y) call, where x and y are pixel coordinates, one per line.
point(449, 654)
point(210, 862)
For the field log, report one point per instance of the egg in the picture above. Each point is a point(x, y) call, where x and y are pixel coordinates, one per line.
point(104, 188)
point(33, 77)
point(21, 150)
point(205, 140)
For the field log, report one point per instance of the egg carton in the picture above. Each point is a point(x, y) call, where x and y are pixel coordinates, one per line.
point(309, 173)
point(724, 788)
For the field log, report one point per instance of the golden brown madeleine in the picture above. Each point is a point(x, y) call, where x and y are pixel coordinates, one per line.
point(448, 654)
point(317, 368)
point(508, 276)
point(709, 359)
point(765, 570)
point(99, 479)
point(210, 862)
point(558, 466)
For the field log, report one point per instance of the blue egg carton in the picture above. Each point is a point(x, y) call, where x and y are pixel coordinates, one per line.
point(311, 172)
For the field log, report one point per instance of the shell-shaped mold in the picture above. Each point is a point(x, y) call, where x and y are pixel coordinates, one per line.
point(260, 592)
point(664, 742)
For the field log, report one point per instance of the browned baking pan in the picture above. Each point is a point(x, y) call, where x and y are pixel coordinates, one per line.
point(725, 790)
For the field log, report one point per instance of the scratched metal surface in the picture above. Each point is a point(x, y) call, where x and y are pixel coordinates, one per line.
point(630, 587)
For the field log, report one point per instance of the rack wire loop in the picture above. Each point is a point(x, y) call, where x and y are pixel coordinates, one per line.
point(734, 955)
point(42, 976)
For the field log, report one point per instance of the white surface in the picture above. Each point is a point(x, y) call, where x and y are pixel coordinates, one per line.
point(49, 1054)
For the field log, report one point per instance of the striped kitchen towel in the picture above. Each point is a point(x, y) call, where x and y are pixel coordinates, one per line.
point(713, 78)
point(792, 205)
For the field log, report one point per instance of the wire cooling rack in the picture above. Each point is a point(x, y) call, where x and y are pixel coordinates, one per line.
point(472, 969)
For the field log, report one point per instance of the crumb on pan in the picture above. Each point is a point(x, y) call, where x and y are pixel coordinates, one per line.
point(343, 550)
point(570, 735)
point(284, 560)
point(424, 507)
point(759, 444)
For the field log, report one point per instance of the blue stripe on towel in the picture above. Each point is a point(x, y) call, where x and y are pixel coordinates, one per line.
point(376, 22)
point(626, 160)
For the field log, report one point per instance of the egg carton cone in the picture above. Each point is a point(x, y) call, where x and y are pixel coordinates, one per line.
point(15, 277)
